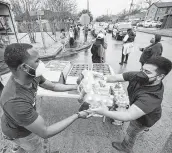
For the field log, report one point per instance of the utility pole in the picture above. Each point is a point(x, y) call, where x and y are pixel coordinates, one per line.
point(88, 5)
point(131, 5)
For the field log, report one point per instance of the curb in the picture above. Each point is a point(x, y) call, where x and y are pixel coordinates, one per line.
point(153, 32)
point(74, 51)
point(55, 55)
point(52, 55)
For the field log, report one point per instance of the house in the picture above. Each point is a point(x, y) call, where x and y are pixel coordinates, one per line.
point(157, 11)
point(167, 21)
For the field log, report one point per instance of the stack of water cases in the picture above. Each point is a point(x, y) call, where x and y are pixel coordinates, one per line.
point(56, 70)
point(58, 66)
point(121, 101)
point(94, 91)
point(75, 72)
point(102, 68)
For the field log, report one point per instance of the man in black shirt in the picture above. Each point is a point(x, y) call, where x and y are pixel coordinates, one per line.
point(145, 91)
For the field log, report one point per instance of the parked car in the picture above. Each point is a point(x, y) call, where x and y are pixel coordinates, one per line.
point(110, 28)
point(159, 24)
point(140, 24)
point(134, 22)
point(147, 24)
point(121, 30)
point(150, 24)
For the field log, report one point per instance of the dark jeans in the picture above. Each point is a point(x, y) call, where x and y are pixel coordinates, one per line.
point(124, 56)
point(85, 39)
point(133, 130)
point(71, 42)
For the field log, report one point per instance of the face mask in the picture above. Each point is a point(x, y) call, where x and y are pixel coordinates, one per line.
point(144, 79)
point(152, 41)
point(38, 71)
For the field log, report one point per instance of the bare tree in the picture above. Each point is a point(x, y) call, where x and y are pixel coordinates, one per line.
point(22, 8)
point(65, 9)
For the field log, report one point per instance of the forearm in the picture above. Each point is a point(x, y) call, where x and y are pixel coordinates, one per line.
point(60, 126)
point(122, 116)
point(62, 87)
point(114, 78)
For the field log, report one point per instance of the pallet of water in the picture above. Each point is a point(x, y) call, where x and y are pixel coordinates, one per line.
point(94, 90)
point(121, 101)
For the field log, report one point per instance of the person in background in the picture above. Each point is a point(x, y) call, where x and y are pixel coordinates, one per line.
point(63, 39)
point(145, 91)
point(78, 27)
point(153, 50)
point(98, 49)
point(71, 37)
point(85, 33)
point(128, 46)
point(21, 123)
point(75, 32)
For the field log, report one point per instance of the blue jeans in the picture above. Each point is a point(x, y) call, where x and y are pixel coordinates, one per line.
point(133, 130)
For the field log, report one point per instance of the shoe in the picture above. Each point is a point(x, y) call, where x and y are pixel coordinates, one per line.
point(146, 130)
point(125, 62)
point(121, 63)
point(119, 147)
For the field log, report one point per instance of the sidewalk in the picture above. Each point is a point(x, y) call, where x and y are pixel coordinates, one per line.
point(162, 32)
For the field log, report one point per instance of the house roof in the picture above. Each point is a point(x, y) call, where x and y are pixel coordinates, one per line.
point(164, 4)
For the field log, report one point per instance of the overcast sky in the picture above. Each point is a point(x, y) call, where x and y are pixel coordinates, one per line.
point(100, 7)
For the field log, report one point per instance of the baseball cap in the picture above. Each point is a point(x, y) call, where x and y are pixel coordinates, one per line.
point(100, 36)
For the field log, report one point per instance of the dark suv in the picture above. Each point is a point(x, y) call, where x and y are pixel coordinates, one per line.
point(120, 30)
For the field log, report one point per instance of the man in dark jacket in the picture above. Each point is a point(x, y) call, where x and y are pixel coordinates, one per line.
point(153, 50)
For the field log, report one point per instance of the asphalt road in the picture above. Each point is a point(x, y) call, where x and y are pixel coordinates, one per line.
point(93, 136)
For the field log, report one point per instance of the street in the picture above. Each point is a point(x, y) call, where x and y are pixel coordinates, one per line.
point(93, 135)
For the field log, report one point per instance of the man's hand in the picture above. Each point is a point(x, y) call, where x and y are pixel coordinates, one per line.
point(100, 110)
point(83, 114)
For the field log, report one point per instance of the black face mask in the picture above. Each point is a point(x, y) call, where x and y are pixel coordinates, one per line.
point(142, 78)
